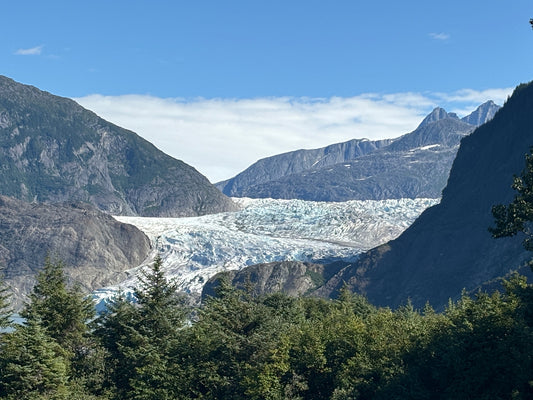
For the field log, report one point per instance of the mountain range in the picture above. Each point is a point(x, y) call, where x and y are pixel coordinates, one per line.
point(414, 165)
point(448, 248)
point(53, 150)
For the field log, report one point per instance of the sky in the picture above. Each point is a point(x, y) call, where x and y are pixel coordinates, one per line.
point(221, 84)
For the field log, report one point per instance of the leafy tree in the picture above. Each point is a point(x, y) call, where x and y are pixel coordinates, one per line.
point(517, 216)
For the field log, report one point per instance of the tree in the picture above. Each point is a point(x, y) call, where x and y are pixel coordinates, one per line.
point(5, 307)
point(141, 338)
point(517, 216)
point(32, 364)
point(64, 313)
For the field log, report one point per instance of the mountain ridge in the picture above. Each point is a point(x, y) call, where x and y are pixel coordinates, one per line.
point(448, 248)
point(386, 170)
point(54, 150)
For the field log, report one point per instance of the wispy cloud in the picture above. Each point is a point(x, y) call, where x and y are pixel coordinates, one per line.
point(440, 36)
point(221, 137)
point(34, 51)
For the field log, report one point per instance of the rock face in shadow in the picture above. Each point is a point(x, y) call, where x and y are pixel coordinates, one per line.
point(94, 247)
point(414, 165)
point(448, 247)
point(54, 150)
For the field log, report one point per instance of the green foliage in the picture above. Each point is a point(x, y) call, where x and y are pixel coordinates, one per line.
point(63, 311)
point(141, 338)
point(5, 307)
point(517, 216)
point(270, 347)
point(33, 365)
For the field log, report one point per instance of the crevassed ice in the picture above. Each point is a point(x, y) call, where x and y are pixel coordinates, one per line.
point(265, 230)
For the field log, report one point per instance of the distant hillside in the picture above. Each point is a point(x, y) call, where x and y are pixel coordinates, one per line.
point(448, 247)
point(414, 165)
point(276, 167)
point(95, 247)
point(54, 150)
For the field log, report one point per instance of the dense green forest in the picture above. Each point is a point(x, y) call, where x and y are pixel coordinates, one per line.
point(237, 346)
point(272, 347)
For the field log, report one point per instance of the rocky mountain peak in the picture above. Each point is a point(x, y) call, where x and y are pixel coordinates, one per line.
point(484, 113)
point(437, 114)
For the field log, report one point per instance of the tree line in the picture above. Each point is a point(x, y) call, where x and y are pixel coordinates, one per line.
point(237, 346)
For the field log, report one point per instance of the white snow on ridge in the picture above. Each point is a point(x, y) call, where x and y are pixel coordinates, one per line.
point(265, 230)
point(431, 146)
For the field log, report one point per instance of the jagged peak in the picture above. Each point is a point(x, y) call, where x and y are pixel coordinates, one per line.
point(437, 114)
point(482, 114)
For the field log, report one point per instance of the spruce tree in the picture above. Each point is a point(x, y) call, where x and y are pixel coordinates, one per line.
point(33, 365)
point(517, 216)
point(5, 306)
point(64, 311)
point(142, 338)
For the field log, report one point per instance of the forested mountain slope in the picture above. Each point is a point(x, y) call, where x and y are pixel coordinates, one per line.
point(54, 150)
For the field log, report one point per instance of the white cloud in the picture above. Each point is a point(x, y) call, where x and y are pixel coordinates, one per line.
point(440, 36)
point(222, 137)
point(34, 51)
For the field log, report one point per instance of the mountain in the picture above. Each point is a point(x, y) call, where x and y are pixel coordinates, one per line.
point(54, 150)
point(482, 114)
point(414, 165)
point(294, 278)
point(448, 247)
point(95, 248)
point(276, 167)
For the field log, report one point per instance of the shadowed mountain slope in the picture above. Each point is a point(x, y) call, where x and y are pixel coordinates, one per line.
point(448, 247)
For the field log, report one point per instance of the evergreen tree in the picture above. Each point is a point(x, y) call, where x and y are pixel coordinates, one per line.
point(32, 365)
point(517, 216)
point(64, 313)
point(141, 338)
point(5, 306)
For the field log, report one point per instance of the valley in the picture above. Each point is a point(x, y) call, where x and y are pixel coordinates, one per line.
point(267, 230)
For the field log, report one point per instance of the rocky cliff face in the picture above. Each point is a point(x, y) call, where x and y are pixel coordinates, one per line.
point(273, 168)
point(53, 150)
point(292, 278)
point(95, 247)
point(414, 165)
point(484, 113)
point(448, 247)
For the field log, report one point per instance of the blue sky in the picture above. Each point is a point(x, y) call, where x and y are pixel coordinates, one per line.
point(206, 81)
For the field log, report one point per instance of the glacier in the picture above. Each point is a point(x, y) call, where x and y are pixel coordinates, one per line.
point(194, 249)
